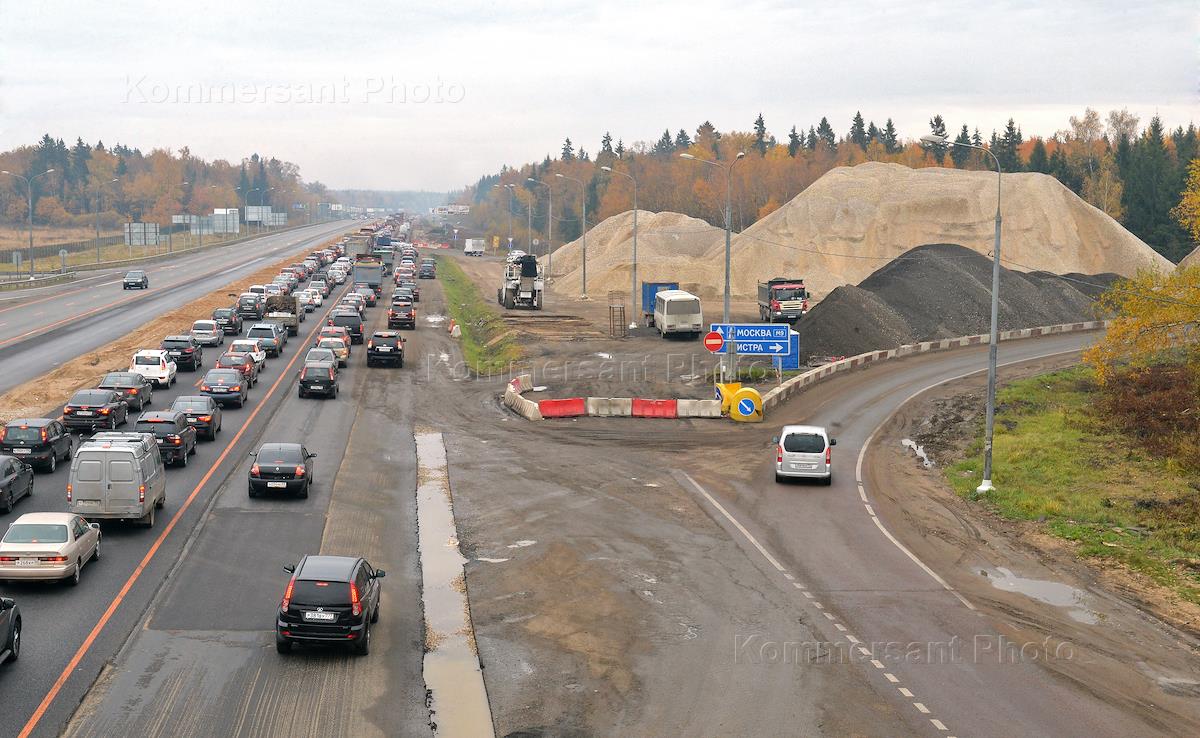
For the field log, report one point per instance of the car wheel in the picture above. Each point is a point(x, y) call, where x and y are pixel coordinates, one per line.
point(148, 518)
point(70, 450)
point(148, 398)
point(8, 502)
point(778, 478)
point(828, 480)
point(53, 464)
point(250, 491)
point(304, 492)
point(112, 422)
point(300, 393)
point(193, 449)
point(183, 460)
point(363, 646)
point(73, 580)
point(96, 553)
point(14, 644)
point(375, 614)
point(282, 646)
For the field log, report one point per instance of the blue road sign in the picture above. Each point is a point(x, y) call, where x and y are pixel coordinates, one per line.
point(752, 331)
point(792, 359)
point(746, 406)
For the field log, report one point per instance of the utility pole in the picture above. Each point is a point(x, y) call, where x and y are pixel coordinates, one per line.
point(29, 192)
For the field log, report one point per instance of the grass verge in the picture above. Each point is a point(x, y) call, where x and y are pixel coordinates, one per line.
point(1059, 463)
point(487, 347)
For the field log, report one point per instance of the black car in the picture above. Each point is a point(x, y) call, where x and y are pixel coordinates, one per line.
point(176, 438)
point(412, 286)
point(385, 347)
point(135, 280)
point(202, 413)
point(329, 599)
point(16, 481)
point(10, 630)
point(350, 320)
point(226, 386)
point(427, 271)
point(42, 442)
point(184, 351)
point(270, 335)
point(318, 379)
point(252, 305)
point(283, 466)
point(229, 320)
point(91, 409)
point(136, 389)
point(369, 296)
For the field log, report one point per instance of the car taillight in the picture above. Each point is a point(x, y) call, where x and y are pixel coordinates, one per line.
point(205, 388)
point(804, 306)
point(299, 470)
point(355, 603)
point(187, 350)
point(105, 410)
point(141, 493)
point(53, 559)
point(176, 440)
point(133, 391)
point(236, 388)
point(371, 344)
point(7, 559)
point(204, 418)
point(828, 455)
point(331, 373)
point(44, 435)
point(70, 489)
point(329, 322)
point(68, 410)
point(255, 470)
point(4, 432)
point(286, 602)
point(779, 454)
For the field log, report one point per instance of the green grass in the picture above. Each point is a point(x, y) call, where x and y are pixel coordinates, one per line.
point(486, 346)
point(1056, 461)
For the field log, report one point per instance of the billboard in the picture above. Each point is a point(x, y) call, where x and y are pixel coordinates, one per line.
point(141, 234)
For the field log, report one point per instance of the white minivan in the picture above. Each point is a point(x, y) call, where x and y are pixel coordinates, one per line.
point(804, 452)
point(155, 365)
point(678, 311)
point(117, 476)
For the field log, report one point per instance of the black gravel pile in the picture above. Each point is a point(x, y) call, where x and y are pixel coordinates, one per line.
point(940, 291)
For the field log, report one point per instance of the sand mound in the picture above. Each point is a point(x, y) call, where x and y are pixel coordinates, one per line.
point(1191, 260)
point(939, 291)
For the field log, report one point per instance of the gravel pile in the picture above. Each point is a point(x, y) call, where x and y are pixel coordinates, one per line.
point(939, 291)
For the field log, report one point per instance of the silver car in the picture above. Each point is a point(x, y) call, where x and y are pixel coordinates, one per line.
point(804, 452)
point(48, 546)
point(208, 333)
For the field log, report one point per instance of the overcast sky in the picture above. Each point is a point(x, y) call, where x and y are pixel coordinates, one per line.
point(433, 94)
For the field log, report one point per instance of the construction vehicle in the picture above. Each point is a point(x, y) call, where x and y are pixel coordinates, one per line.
point(523, 283)
point(782, 300)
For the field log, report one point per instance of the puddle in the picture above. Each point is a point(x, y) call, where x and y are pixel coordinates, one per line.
point(521, 544)
point(603, 355)
point(435, 319)
point(540, 388)
point(651, 484)
point(1055, 594)
point(486, 560)
point(458, 702)
point(919, 451)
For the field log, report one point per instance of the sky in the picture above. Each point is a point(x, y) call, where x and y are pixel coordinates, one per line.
point(432, 95)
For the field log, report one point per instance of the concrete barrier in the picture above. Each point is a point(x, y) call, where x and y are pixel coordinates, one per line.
point(527, 409)
point(781, 393)
point(609, 407)
point(570, 407)
point(522, 383)
point(698, 408)
point(28, 284)
point(641, 408)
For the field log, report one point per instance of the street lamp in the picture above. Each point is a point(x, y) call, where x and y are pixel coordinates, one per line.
point(985, 484)
point(583, 199)
point(262, 222)
point(549, 226)
point(633, 288)
point(29, 190)
point(729, 352)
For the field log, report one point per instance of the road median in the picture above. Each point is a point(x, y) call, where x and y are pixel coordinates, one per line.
point(488, 346)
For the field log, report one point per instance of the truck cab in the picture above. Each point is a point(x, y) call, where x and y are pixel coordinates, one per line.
point(782, 299)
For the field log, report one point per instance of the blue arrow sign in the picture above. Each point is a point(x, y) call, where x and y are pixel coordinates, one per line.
point(746, 406)
point(751, 332)
point(760, 348)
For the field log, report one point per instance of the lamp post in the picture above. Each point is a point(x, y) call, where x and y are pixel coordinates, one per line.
point(99, 193)
point(29, 191)
point(633, 279)
point(985, 484)
point(510, 196)
point(730, 353)
point(549, 227)
point(262, 222)
point(583, 200)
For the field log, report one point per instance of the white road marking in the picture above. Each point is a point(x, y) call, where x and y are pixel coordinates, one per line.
point(877, 664)
point(840, 627)
point(921, 707)
point(830, 616)
point(938, 724)
point(818, 605)
point(852, 639)
point(870, 510)
point(865, 651)
point(905, 692)
point(808, 595)
point(890, 677)
point(741, 528)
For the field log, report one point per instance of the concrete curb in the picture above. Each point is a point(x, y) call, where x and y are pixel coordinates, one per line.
point(513, 400)
point(28, 284)
point(784, 391)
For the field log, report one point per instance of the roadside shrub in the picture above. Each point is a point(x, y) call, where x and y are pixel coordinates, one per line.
point(1159, 405)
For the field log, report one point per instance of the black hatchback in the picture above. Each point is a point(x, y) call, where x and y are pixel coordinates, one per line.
point(92, 409)
point(229, 320)
point(40, 442)
point(136, 389)
point(329, 599)
point(175, 436)
point(184, 351)
point(135, 280)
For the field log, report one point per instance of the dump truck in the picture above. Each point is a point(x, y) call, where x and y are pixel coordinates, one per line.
point(286, 311)
point(782, 300)
point(369, 270)
point(522, 286)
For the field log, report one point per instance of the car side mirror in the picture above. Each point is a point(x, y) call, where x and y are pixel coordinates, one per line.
point(312, 456)
point(94, 526)
point(380, 574)
point(774, 439)
point(290, 568)
point(252, 454)
point(832, 441)
point(7, 603)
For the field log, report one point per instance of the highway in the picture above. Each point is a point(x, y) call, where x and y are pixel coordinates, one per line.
point(40, 330)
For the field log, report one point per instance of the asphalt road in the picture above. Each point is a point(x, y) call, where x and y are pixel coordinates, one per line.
point(52, 325)
point(938, 660)
point(203, 662)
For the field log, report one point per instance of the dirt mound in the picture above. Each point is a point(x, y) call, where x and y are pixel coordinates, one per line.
point(1191, 260)
point(671, 247)
point(939, 291)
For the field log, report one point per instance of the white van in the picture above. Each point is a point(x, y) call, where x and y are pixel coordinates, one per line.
point(473, 247)
point(804, 452)
point(117, 476)
point(678, 311)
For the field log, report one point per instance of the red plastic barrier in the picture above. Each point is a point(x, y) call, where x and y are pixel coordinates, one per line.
point(567, 408)
point(655, 408)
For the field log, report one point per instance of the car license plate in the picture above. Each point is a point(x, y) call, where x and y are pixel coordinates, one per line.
point(22, 450)
point(277, 485)
point(385, 348)
point(161, 441)
point(27, 562)
point(83, 412)
point(325, 617)
point(804, 466)
point(220, 389)
point(318, 386)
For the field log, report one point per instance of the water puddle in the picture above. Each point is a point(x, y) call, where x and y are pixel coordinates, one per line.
point(919, 451)
point(1056, 594)
point(487, 560)
point(603, 355)
point(435, 319)
point(521, 544)
point(458, 702)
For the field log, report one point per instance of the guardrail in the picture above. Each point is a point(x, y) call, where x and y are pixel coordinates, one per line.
point(13, 285)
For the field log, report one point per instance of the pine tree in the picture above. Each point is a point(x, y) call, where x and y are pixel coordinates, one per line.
point(976, 139)
point(760, 135)
point(794, 142)
point(873, 132)
point(1007, 148)
point(1060, 168)
point(960, 155)
point(1151, 191)
point(890, 139)
point(937, 127)
point(810, 142)
point(682, 140)
point(606, 144)
point(583, 155)
point(858, 131)
point(825, 133)
point(620, 149)
point(568, 150)
point(664, 146)
point(1038, 160)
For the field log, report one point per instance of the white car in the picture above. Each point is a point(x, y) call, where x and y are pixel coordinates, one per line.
point(305, 299)
point(48, 545)
point(250, 346)
point(804, 452)
point(208, 333)
point(314, 296)
point(155, 365)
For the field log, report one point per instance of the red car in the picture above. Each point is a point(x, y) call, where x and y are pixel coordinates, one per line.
point(244, 363)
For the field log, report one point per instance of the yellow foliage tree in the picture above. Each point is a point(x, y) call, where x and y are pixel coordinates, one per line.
point(1187, 212)
point(1153, 312)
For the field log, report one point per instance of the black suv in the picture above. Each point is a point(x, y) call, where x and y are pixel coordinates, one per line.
point(176, 439)
point(136, 389)
point(252, 305)
point(135, 280)
point(229, 320)
point(319, 378)
point(329, 599)
point(92, 409)
point(202, 412)
point(350, 320)
point(385, 347)
point(10, 630)
point(41, 442)
point(401, 313)
point(184, 351)
point(427, 271)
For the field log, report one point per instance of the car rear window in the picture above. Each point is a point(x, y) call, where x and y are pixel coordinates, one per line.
point(185, 405)
point(203, 325)
point(682, 307)
point(89, 398)
point(803, 443)
point(160, 428)
point(37, 533)
point(261, 333)
point(248, 300)
point(347, 321)
point(316, 372)
point(147, 360)
point(223, 376)
point(18, 433)
point(119, 379)
point(175, 343)
point(321, 593)
point(223, 313)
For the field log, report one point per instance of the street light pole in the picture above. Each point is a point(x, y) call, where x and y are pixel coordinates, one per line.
point(730, 353)
point(29, 192)
point(549, 227)
point(583, 200)
point(633, 278)
point(985, 484)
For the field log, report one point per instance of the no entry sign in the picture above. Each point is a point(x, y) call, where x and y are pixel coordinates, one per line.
point(714, 341)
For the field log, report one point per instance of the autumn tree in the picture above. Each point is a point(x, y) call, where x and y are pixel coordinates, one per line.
point(1187, 212)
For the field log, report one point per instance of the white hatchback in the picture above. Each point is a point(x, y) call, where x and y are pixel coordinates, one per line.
point(155, 365)
point(804, 452)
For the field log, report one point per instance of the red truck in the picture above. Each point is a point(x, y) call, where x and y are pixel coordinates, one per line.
point(782, 299)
